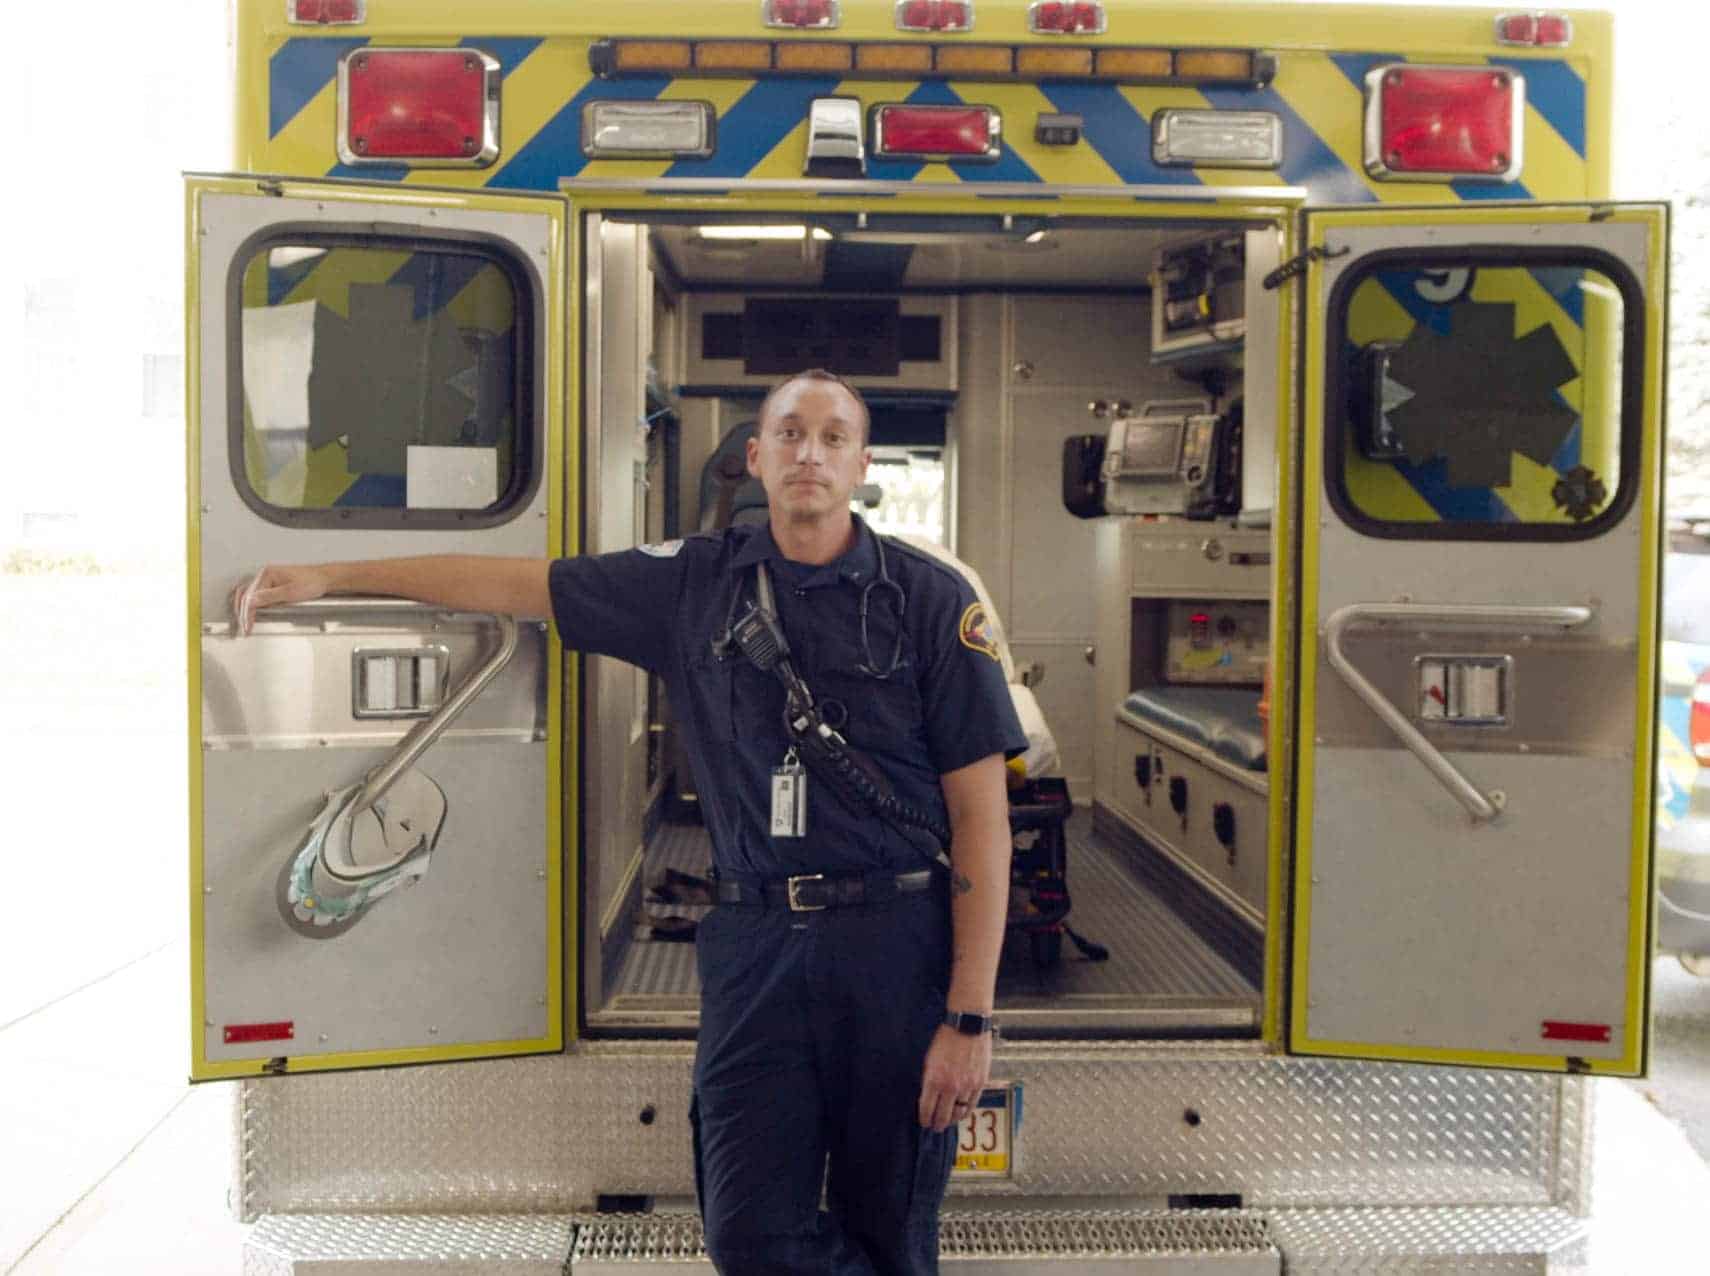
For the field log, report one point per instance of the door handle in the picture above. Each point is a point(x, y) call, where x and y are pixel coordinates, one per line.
point(1483, 807)
point(417, 740)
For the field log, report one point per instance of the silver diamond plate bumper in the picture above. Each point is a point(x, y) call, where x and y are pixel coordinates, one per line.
point(1128, 1123)
point(1396, 1242)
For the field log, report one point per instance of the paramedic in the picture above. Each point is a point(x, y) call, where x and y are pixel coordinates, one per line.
point(847, 975)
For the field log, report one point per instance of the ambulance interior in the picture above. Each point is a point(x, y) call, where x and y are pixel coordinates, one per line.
point(1081, 412)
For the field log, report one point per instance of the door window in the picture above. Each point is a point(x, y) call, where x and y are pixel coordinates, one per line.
point(384, 382)
point(1483, 397)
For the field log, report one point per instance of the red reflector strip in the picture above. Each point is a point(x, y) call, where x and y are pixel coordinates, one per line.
point(238, 1034)
point(928, 131)
point(1557, 1030)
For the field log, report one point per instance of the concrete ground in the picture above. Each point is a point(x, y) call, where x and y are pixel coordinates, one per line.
point(109, 1162)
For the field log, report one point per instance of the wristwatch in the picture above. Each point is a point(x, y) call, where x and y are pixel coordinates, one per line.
point(969, 1023)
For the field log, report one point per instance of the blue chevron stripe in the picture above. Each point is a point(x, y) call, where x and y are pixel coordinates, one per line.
point(1307, 160)
point(1557, 93)
point(1118, 132)
point(297, 72)
point(510, 51)
point(555, 152)
point(755, 124)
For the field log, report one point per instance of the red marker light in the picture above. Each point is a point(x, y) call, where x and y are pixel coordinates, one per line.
point(1444, 122)
point(326, 12)
point(803, 15)
point(1534, 29)
point(1066, 17)
point(935, 15)
point(929, 132)
point(418, 104)
point(1517, 28)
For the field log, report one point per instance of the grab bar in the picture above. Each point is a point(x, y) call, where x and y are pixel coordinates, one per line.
point(1483, 807)
point(417, 740)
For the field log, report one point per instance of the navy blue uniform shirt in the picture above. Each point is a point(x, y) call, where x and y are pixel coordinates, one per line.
point(945, 705)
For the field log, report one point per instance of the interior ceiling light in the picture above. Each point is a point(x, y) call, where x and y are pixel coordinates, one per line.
point(769, 232)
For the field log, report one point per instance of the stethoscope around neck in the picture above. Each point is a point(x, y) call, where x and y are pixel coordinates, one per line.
point(881, 581)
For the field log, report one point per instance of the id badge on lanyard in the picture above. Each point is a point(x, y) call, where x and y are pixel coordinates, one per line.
point(789, 798)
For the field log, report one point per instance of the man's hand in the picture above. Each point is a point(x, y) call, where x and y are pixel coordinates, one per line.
point(274, 585)
point(957, 1067)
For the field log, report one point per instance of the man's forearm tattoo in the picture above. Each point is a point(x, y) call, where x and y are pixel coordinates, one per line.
point(959, 885)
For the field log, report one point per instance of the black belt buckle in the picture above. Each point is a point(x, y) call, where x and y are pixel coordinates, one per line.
point(792, 889)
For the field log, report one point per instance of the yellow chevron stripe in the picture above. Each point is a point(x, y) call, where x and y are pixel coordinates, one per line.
point(1021, 103)
point(1553, 169)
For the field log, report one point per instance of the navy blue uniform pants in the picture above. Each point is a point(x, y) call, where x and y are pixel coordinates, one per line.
point(814, 1030)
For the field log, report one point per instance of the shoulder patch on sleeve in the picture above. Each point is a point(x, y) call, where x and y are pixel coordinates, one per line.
point(975, 630)
point(664, 549)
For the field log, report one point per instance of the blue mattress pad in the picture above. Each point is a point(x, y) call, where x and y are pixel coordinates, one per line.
point(1223, 719)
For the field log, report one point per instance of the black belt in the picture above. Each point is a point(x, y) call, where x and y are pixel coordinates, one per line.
point(813, 892)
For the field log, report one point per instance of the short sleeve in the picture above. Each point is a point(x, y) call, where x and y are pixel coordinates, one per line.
point(968, 710)
point(619, 604)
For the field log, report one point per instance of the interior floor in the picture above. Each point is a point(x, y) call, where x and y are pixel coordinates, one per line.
point(1159, 976)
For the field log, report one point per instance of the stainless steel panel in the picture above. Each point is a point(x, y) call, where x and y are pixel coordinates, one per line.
point(382, 1245)
point(460, 956)
point(1188, 560)
point(1524, 916)
point(1101, 1120)
point(1567, 695)
point(288, 686)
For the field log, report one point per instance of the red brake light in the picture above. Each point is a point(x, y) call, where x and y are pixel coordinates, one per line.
point(1698, 731)
point(935, 15)
point(802, 14)
point(931, 132)
point(1066, 17)
point(433, 105)
point(1444, 122)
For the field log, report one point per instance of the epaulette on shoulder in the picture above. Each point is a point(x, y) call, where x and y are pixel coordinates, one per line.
point(917, 554)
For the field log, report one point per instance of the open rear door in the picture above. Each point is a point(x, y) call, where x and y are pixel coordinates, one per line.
point(375, 818)
point(1478, 564)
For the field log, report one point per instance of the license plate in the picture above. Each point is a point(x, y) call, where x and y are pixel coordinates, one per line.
point(985, 1146)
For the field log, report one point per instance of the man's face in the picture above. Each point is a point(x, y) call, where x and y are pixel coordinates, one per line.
point(809, 451)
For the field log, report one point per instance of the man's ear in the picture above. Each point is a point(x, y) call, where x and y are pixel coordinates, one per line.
point(752, 448)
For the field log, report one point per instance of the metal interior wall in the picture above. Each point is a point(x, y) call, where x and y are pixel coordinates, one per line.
point(1101, 1121)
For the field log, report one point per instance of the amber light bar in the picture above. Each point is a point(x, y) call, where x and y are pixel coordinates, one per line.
point(912, 61)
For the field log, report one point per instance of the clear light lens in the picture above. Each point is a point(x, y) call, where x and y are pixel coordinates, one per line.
point(647, 128)
point(1246, 139)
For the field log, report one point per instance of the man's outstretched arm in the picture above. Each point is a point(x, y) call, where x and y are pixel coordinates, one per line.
point(463, 582)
